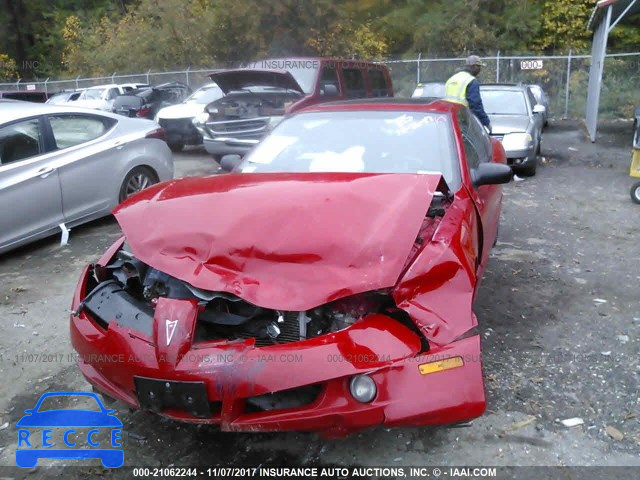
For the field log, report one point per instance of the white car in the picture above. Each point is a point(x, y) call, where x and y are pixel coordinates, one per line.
point(177, 120)
point(101, 97)
point(62, 166)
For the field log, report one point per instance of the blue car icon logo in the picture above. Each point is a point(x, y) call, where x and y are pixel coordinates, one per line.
point(85, 432)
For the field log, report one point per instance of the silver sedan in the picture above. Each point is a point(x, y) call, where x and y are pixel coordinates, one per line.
point(63, 166)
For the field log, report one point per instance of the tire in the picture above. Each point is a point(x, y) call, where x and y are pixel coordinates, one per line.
point(529, 170)
point(635, 192)
point(135, 181)
point(176, 147)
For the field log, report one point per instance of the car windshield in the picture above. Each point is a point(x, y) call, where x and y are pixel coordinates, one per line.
point(504, 102)
point(362, 141)
point(69, 402)
point(429, 90)
point(205, 95)
point(93, 93)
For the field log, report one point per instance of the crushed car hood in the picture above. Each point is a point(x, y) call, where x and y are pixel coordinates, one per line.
point(287, 241)
point(229, 80)
point(503, 124)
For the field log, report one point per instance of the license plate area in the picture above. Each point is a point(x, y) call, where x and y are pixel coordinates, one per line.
point(159, 395)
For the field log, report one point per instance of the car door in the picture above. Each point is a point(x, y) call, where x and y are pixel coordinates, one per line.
point(487, 198)
point(85, 162)
point(29, 183)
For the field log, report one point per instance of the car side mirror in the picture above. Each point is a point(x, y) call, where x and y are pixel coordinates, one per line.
point(539, 109)
point(230, 162)
point(329, 90)
point(491, 174)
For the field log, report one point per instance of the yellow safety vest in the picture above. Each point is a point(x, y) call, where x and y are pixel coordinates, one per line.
point(455, 90)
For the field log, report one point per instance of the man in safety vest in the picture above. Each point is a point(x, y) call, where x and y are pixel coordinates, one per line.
point(464, 88)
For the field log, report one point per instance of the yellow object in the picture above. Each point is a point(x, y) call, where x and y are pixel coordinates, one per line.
point(455, 90)
point(635, 163)
point(440, 365)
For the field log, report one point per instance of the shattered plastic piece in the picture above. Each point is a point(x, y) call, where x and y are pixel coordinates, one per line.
point(19, 325)
point(572, 422)
point(64, 239)
point(599, 300)
point(4, 425)
point(518, 179)
point(606, 354)
point(573, 149)
point(135, 436)
point(521, 424)
point(614, 433)
point(623, 338)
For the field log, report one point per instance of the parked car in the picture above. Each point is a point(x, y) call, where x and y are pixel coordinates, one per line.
point(101, 97)
point(541, 99)
point(24, 95)
point(327, 286)
point(62, 98)
point(147, 101)
point(67, 166)
point(516, 120)
point(429, 90)
point(257, 98)
point(177, 120)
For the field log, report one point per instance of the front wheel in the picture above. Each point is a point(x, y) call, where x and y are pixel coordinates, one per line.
point(135, 181)
point(635, 192)
point(176, 147)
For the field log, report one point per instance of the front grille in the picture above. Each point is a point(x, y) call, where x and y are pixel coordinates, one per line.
point(240, 127)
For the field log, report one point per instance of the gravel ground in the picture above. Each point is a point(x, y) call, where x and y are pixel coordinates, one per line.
point(558, 312)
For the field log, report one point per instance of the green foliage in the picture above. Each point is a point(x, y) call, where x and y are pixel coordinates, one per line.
point(83, 37)
point(8, 68)
point(564, 25)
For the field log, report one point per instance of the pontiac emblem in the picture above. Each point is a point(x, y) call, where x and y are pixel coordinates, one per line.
point(170, 329)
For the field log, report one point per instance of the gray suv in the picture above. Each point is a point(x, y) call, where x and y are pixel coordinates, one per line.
point(516, 121)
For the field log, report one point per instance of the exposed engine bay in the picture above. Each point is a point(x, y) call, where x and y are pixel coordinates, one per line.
point(126, 291)
point(252, 103)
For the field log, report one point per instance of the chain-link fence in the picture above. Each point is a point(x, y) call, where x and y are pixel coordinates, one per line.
point(563, 77)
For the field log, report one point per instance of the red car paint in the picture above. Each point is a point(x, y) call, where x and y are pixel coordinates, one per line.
point(249, 235)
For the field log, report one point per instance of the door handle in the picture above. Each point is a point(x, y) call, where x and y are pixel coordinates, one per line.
point(46, 171)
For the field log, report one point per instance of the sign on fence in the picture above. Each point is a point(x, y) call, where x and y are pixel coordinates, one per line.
point(530, 64)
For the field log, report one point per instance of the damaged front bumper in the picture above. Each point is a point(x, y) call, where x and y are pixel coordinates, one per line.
point(305, 385)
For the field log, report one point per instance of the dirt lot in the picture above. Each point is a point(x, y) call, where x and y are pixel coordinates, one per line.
point(558, 309)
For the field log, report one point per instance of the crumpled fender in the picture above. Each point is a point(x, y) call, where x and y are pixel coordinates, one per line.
point(437, 289)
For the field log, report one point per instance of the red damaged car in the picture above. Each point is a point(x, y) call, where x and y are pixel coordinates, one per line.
point(326, 285)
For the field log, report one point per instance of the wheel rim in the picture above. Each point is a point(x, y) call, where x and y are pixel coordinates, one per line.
point(136, 184)
point(636, 193)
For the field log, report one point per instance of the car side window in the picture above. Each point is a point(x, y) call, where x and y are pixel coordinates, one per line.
point(532, 99)
point(354, 83)
point(473, 159)
point(480, 139)
point(71, 130)
point(20, 140)
point(329, 84)
point(378, 83)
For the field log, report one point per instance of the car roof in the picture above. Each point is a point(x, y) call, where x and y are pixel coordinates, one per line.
point(10, 111)
point(504, 86)
point(386, 104)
